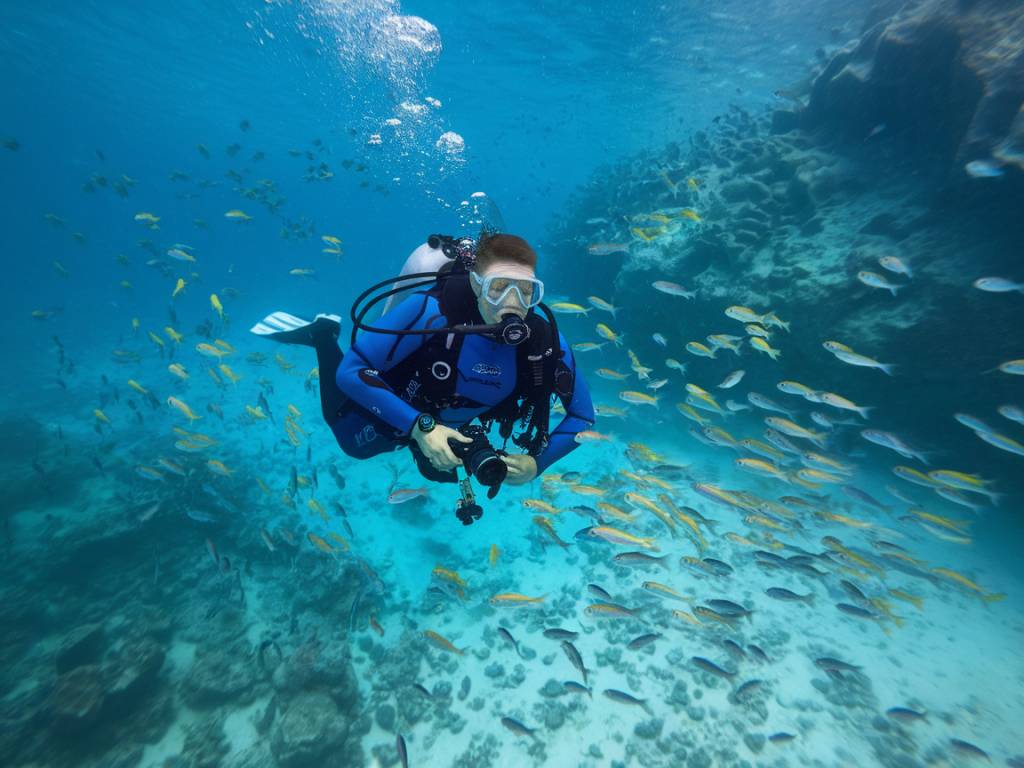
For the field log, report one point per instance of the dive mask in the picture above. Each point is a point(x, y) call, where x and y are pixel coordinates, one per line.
point(497, 288)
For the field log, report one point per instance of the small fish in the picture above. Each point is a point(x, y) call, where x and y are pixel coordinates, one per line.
point(1012, 367)
point(893, 443)
point(700, 350)
point(607, 333)
point(997, 285)
point(780, 593)
point(1002, 442)
point(984, 169)
point(792, 429)
point(830, 664)
point(905, 715)
point(514, 599)
point(573, 654)
point(507, 637)
point(624, 698)
point(640, 559)
point(205, 518)
point(729, 608)
point(763, 346)
point(518, 728)
point(968, 750)
point(567, 308)
point(557, 633)
point(599, 592)
point(604, 306)
point(587, 346)
point(757, 653)
point(572, 686)
point(748, 688)
point(607, 249)
point(875, 280)
point(734, 649)
point(610, 611)
point(732, 379)
point(441, 642)
point(402, 495)
point(857, 611)
point(895, 265)
point(403, 754)
point(710, 666)
point(1012, 412)
point(672, 289)
point(744, 315)
point(848, 356)
point(638, 398)
point(766, 404)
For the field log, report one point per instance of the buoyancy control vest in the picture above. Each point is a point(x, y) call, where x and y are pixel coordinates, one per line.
point(541, 370)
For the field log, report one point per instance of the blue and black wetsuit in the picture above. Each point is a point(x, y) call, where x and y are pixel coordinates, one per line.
point(378, 398)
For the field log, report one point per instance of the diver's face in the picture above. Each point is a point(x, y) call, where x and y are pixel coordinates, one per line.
point(510, 304)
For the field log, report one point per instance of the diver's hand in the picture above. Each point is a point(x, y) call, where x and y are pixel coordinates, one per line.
point(434, 445)
point(522, 468)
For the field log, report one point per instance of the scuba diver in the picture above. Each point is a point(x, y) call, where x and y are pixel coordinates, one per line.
point(467, 343)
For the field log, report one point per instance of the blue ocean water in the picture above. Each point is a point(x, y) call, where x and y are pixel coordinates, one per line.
point(780, 200)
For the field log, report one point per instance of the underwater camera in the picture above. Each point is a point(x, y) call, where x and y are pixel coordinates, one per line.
point(480, 460)
point(478, 457)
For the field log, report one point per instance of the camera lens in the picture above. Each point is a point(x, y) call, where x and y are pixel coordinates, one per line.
point(490, 470)
point(478, 457)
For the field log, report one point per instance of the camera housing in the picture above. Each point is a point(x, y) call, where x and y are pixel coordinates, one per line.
point(478, 457)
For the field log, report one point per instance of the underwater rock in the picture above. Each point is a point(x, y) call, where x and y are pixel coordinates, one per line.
point(679, 698)
point(77, 700)
point(318, 665)
point(310, 731)
point(552, 689)
point(928, 72)
point(745, 190)
point(385, 717)
point(130, 675)
point(256, 756)
point(221, 675)
point(755, 742)
point(552, 714)
point(480, 753)
point(205, 744)
point(886, 225)
point(649, 729)
point(81, 646)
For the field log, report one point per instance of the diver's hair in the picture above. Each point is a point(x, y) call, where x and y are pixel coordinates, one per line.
point(493, 248)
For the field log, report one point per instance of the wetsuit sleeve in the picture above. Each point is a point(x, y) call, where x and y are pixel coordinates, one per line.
point(579, 416)
point(359, 375)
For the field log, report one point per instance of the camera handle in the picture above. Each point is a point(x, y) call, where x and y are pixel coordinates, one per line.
point(466, 508)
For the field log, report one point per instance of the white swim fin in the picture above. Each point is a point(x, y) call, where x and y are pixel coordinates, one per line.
point(289, 329)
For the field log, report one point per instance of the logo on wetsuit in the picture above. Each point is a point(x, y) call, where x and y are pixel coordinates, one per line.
point(486, 369)
point(366, 435)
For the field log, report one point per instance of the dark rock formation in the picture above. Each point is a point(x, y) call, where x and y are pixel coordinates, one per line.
point(82, 645)
point(77, 700)
point(310, 732)
point(947, 75)
point(221, 675)
point(792, 208)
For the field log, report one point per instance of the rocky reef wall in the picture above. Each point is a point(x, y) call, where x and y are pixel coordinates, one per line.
point(873, 161)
